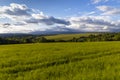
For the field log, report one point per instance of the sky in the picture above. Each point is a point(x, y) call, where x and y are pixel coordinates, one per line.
point(30, 16)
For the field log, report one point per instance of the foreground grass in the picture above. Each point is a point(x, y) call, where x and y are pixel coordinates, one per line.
point(60, 61)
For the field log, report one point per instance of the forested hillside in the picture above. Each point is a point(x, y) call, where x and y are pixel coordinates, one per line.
point(70, 38)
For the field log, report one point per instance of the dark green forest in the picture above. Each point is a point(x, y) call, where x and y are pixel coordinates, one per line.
point(41, 39)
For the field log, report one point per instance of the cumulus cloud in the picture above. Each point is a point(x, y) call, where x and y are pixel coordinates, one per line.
point(26, 20)
point(15, 9)
point(20, 12)
point(107, 10)
point(94, 23)
point(48, 21)
point(4, 28)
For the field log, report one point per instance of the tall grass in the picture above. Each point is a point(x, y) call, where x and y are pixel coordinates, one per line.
point(60, 61)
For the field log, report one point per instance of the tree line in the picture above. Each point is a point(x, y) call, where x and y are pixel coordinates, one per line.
point(42, 39)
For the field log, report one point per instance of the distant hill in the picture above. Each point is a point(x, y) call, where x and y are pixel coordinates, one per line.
point(37, 33)
point(54, 32)
point(15, 35)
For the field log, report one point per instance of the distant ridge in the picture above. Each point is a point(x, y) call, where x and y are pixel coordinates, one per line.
point(37, 33)
point(14, 34)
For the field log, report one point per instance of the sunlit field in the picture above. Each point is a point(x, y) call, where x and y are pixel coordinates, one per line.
point(68, 36)
point(60, 61)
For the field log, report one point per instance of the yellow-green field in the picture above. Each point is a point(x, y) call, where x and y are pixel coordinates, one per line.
point(60, 61)
point(67, 36)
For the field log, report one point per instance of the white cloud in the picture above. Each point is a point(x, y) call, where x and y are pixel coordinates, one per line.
point(107, 10)
point(39, 16)
point(26, 20)
point(93, 12)
point(94, 23)
point(98, 1)
point(15, 11)
point(20, 12)
point(21, 16)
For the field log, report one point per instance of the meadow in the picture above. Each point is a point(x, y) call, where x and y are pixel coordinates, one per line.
point(67, 36)
point(60, 61)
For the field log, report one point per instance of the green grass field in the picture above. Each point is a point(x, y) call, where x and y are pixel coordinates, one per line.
point(60, 61)
point(67, 36)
